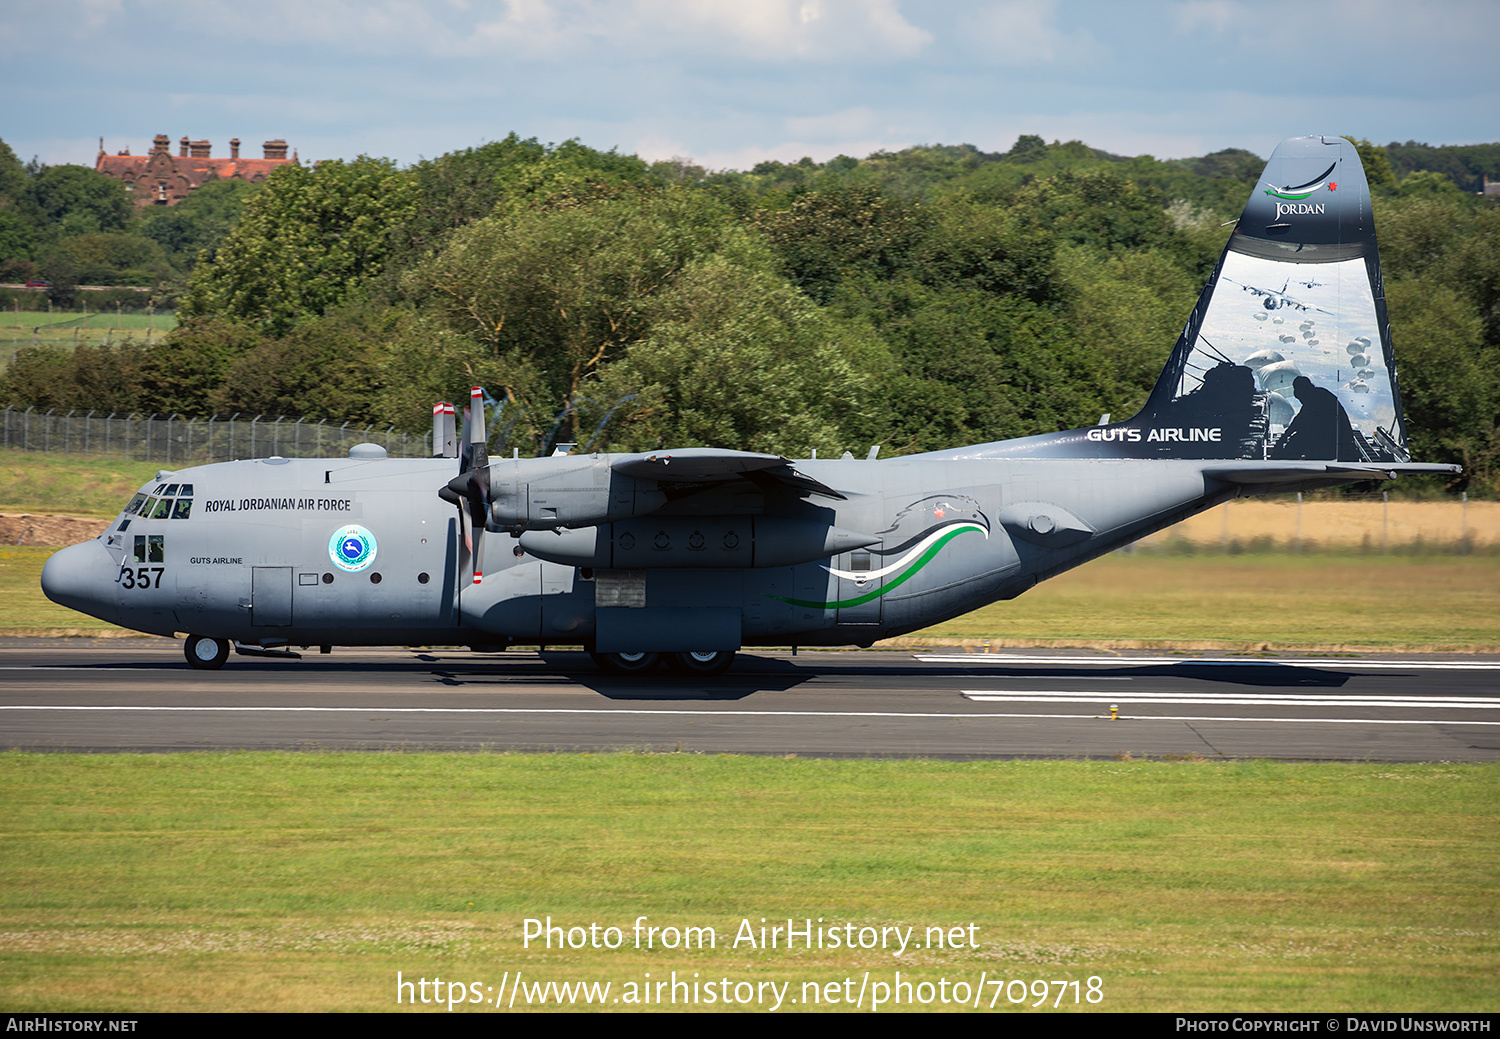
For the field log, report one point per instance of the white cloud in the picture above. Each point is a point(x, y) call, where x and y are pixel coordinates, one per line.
point(791, 151)
point(1022, 33)
point(734, 83)
point(40, 27)
point(529, 30)
point(1450, 31)
point(1212, 16)
point(771, 30)
point(849, 123)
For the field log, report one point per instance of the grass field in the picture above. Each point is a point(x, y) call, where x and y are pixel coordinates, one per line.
point(1367, 527)
point(306, 881)
point(37, 481)
point(1273, 601)
point(36, 328)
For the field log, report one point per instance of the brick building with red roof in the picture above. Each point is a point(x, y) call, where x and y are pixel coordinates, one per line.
point(164, 179)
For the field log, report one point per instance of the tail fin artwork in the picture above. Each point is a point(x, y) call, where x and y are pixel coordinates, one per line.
point(1289, 345)
point(1286, 358)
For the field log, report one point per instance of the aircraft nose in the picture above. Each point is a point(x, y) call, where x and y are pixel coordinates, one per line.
point(79, 577)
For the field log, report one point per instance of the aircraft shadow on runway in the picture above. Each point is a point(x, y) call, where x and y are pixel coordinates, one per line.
point(1258, 673)
point(742, 680)
point(1251, 672)
point(751, 674)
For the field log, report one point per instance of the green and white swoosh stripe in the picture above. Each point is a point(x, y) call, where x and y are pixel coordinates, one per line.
point(1290, 192)
point(1294, 198)
point(923, 554)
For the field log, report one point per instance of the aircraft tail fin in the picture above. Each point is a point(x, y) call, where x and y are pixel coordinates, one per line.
point(1286, 357)
point(1287, 354)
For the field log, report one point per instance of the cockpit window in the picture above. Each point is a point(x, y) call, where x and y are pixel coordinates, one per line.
point(167, 501)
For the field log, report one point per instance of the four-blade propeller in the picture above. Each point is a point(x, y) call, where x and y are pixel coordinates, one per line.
point(471, 487)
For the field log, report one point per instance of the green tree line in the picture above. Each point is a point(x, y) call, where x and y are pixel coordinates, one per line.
point(919, 300)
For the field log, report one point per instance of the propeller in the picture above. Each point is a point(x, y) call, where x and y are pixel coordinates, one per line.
point(471, 487)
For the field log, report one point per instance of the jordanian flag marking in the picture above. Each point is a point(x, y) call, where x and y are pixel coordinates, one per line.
point(1305, 189)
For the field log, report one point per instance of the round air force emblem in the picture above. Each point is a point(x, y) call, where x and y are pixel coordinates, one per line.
point(352, 548)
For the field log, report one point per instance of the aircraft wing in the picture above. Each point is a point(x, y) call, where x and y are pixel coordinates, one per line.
point(713, 465)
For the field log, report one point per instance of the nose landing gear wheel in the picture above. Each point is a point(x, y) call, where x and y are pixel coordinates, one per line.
point(707, 662)
point(627, 663)
point(204, 653)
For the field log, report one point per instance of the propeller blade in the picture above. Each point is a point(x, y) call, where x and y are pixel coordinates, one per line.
point(478, 491)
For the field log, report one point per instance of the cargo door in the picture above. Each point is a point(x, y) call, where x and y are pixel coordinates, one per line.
point(271, 597)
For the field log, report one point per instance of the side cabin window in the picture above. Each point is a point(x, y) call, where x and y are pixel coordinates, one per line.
point(150, 548)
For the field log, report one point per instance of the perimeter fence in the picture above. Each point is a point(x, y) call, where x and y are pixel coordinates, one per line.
point(1359, 524)
point(175, 441)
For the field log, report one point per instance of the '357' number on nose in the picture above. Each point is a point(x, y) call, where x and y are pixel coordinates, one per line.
point(141, 577)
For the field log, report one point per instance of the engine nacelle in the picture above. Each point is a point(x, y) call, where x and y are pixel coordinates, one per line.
point(565, 491)
point(652, 542)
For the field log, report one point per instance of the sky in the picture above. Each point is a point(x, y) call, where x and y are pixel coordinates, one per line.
point(729, 83)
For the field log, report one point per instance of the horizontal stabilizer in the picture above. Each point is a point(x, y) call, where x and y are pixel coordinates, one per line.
point(1261, 473)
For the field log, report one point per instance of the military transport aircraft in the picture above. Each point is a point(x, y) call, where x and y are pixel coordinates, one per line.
point(684, 556)
point(1275, 299)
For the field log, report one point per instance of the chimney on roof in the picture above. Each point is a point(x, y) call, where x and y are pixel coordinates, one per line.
point(162, 145)
point(202, 149)
point(182, 147)
point(276, 149)
point(234, 147)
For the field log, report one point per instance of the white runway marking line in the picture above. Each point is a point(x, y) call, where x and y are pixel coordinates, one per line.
point(732, 714)
point(1011, 660)
point(540, 710)
point(1241, 699)
point(1249, 700)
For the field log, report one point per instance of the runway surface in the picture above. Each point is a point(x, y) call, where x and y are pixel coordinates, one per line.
point(139, 695)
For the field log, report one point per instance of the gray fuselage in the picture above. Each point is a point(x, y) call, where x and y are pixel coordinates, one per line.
point(255, 560)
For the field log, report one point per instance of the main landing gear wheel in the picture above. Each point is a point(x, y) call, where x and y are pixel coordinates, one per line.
point(204, 653)
point(706, 662)
point(627, 663)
